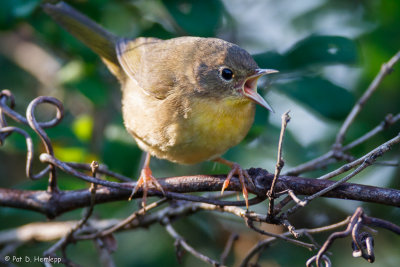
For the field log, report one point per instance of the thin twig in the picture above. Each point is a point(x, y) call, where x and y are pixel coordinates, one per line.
point(337, 148)
point(280, 236)
point(352, 221)
point(356, 223)
point(103, 169)
point(325, 258)
point(290, 227)
point(279, 165)
point(228, 247)
point(332, 157)
point(388, 121)
point(326, 228)
point(8, 249)
point(285, 201)
point(296, 199)
point(313, 164)
point(62, 243)
point(66, 168)
point(266, 242)
point(377, 152)
point(124, 222)
point(104, 252)
point(182, 243)
point(384, 71)
point(365, 161)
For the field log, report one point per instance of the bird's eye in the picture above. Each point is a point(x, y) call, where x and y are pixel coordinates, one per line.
point(226, 74)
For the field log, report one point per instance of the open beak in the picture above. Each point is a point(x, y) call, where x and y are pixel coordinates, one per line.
point(250, 88)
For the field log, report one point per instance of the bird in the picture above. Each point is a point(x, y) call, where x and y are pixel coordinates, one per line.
point(186, 99)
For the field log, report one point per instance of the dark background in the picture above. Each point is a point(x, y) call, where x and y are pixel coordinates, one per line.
point(327, 53)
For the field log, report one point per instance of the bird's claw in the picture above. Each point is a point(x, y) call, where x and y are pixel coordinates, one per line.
point(242, 175)
point(145, 179)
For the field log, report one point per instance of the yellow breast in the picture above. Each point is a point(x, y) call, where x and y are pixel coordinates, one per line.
point(213, 126)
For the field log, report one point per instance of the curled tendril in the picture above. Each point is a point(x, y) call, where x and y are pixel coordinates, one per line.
point(324, 258)
point(7, 95)
point(362, 242)
point(363, 246)
point(36, 126)
point(8, 110)
point(4, 96)
point(29, 154)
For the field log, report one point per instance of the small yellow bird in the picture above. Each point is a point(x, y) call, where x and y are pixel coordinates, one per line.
point(187, 99)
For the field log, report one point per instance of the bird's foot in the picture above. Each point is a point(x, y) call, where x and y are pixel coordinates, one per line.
point(242, 174)
point(145, 179)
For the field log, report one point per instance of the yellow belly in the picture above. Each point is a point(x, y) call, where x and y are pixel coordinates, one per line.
point(211, 128)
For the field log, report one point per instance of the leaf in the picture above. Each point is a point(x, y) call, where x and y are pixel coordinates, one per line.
point(313, 50)
point(272, 60)
point(323, 50)
point(326, 98)
point(198, 18)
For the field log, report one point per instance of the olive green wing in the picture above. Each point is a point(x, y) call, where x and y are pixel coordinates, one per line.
point(147, 61)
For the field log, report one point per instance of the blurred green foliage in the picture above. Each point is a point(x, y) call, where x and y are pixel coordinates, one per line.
point(196, 18)
point(307, 89)
point(93, 127)
point(313, 50)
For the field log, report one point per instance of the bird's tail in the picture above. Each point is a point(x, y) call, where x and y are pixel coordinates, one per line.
point(87, 31)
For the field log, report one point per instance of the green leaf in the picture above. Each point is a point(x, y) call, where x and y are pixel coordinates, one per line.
point(313, 50)
point(272, 60)
point(324, 97)
point(198, 18)
point(323, 50)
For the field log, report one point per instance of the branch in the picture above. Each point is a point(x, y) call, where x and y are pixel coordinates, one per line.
point(307, 232)
point(53, 205)
point(68, 238)
point(362, 163)
point(181, 243)
point(333, 156)
point(386, 69)
point(279, 164)
point(337, 151)
point(361, 240)
point(228, 247)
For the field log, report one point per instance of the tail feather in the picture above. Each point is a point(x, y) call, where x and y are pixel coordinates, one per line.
point(87, 31)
